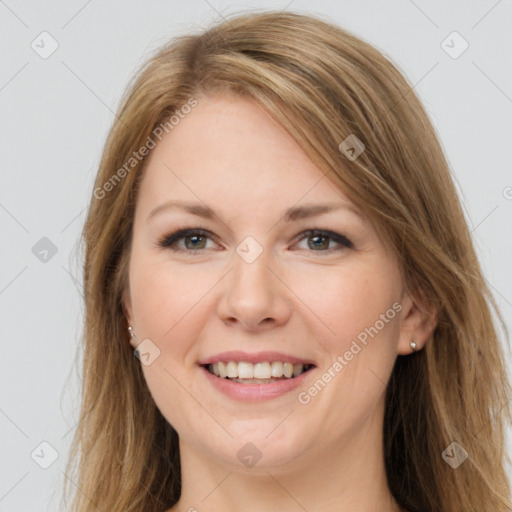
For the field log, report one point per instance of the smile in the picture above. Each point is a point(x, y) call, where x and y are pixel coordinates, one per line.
point(263, 372)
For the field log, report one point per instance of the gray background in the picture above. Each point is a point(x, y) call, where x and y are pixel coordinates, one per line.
point(56, 112)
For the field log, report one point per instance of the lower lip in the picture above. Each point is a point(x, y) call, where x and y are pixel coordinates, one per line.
point(255, 392)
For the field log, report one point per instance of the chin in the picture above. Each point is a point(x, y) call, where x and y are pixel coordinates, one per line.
point(258, 446)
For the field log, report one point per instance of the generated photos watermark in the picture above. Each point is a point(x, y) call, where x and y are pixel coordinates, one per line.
point(304, 397)
point(137, 156)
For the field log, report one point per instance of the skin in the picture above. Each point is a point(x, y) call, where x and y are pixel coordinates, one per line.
point(295, 298)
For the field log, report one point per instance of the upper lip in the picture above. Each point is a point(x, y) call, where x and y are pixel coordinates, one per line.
point(256, 357)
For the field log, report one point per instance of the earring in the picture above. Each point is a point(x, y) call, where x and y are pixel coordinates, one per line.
point(413, 346)
point(130, 330)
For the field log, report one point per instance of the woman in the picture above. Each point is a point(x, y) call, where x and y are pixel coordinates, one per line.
point(275, 235)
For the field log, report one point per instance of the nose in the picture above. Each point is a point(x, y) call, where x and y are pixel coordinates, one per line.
point(254, 296)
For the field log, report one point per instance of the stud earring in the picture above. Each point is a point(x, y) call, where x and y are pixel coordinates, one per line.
point(130, 330)
point(413, 346)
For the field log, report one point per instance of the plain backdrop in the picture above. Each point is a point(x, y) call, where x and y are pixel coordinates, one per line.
point(55, 112)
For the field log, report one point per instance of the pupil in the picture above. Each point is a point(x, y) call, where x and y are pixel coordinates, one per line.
point(324, 245)
point(195, 237)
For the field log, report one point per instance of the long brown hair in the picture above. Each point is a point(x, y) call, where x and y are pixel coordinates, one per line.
point(322, 84)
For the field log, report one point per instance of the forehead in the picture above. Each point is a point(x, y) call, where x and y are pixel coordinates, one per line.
point(229, 149)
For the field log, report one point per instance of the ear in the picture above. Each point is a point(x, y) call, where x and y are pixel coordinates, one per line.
point(418, 321)
point(126, 304)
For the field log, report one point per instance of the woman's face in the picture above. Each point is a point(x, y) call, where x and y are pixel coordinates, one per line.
point(279, 269)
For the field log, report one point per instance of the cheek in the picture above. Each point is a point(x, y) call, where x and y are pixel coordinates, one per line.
point(169, 303)
point(158, 293)
point(167, 306)
point(154, 300)
point(349, 300)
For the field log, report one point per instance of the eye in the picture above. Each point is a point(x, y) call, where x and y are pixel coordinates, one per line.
point(195, 240)
point(319, 240)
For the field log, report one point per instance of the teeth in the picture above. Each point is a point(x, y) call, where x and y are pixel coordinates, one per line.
point(297, 369)
point(277, 369)
point(232, 369)
point(263, 370)
point(245, 370)
point(288, 370)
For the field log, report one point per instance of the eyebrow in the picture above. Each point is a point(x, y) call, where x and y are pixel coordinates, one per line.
point(291, 214)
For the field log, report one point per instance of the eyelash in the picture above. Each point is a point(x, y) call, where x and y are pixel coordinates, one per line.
point(169, 240)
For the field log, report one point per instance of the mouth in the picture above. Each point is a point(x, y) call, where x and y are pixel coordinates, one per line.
point(264, 372)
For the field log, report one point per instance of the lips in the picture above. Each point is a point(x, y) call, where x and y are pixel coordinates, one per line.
point(257, 357)
point(255, 390)
point(257, 376)
point(245, 367)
